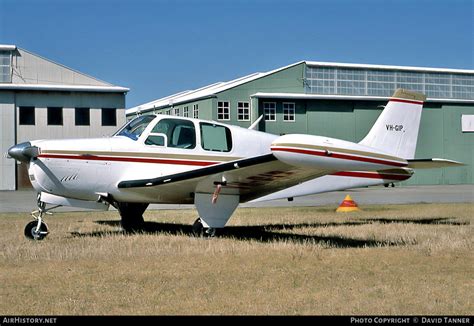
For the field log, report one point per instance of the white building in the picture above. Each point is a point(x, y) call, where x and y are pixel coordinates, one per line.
point(41, 99)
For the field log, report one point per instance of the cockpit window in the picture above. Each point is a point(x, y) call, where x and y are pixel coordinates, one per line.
point(177, 133)
point(134, 128)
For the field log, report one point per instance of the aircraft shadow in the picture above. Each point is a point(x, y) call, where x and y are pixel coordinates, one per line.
point(276, 232)
point(426, 221)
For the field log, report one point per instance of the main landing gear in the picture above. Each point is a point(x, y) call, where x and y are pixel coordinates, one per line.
point(132, 216)
point(38, 230)
point(199, 230)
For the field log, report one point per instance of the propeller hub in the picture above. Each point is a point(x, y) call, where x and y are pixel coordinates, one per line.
point(23, 152)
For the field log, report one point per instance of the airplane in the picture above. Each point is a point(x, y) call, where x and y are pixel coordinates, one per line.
point(215, 166)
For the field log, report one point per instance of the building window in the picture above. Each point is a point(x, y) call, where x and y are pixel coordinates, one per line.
point(168, 112)
point(186, 112)
point(5, 67)
point(176, 112)
point(27, 115)
point(109, 117)
point(243, 111)
point(383, 82)
point(223, 110)
point(269, 111)
point(288, 111)
point(195, 111)
point(82, 117)
point(55, 116)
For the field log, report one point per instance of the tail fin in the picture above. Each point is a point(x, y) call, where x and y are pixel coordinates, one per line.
point(396, 130)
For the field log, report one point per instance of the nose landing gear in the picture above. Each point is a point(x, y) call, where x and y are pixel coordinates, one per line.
point(38, 230)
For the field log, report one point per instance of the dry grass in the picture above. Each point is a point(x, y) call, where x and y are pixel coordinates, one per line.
point(392, 259)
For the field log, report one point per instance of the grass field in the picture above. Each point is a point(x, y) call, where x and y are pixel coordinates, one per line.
point(390, 259)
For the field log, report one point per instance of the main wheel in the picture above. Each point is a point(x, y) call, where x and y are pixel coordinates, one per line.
point(32, 234)
point(132, 223)
point(200, 231)
point(132, 216)
point(198, 228)
point(210, 232)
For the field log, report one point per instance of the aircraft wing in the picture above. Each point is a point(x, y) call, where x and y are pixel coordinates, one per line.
point(250, 178)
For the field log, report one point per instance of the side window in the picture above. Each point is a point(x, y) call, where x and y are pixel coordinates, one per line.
point(215, 138)
point(173, 133)
point(156, 139)
point(183, 136)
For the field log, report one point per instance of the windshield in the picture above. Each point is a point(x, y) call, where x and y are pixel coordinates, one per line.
point(134, 128)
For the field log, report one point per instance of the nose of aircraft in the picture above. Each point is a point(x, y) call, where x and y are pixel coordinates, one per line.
point(23, 152)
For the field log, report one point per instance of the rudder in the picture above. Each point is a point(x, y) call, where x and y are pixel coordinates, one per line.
point(396, 129)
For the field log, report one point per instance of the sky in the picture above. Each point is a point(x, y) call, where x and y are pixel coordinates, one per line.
point(160, 47)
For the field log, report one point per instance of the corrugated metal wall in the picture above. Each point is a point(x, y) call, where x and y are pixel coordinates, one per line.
point(7, 138)
point(41, 101)
point(32, 69)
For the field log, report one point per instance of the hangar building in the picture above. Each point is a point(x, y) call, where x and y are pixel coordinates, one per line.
point(343, 101)
point(41, 99)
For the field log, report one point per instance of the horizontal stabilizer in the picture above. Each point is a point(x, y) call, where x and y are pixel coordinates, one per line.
point(432, 163)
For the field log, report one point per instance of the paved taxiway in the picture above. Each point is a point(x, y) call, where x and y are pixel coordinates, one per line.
point(25, 200)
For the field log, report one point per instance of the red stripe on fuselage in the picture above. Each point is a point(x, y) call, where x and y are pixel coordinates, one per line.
point(405, 101)
point(385, 176)
point(127, 159)
point(339, 156)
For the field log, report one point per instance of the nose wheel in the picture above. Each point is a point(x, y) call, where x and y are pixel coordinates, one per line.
point(36, 230)
point(200, 231)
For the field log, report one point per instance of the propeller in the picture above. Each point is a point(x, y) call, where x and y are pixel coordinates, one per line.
point(23, 152)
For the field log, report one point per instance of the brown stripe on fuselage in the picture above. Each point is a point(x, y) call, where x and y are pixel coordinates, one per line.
point(142, 154)
point(341, 150)
point(127, 159)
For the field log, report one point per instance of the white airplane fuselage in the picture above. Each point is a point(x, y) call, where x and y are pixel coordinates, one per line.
point(85, 168)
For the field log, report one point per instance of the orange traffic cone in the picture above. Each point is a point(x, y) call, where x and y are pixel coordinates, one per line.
point(347, 205)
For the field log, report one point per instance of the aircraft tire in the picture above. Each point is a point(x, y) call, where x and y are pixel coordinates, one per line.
point(30, 231)
point(132, 216)
point(132, 223)
point(198, 228)
point(200, 231)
